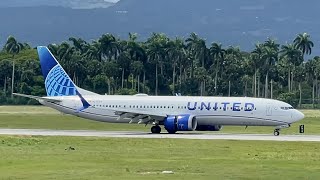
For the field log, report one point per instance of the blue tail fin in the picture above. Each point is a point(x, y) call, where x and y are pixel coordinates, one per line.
point(57, 81)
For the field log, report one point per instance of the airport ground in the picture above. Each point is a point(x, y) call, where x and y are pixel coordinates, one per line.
point(40, 117)
point(41, 157)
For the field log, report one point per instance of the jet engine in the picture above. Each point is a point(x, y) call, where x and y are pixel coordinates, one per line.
point(209, 128)
point(184, 122)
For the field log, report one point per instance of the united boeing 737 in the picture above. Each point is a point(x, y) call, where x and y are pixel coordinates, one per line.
point(174, 113)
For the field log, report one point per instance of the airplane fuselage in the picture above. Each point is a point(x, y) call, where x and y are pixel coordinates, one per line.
point(242, 111)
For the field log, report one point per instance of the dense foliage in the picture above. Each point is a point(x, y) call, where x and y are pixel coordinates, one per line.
point(164, 66)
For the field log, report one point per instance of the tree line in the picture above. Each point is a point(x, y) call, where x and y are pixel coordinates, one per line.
point(166, 66)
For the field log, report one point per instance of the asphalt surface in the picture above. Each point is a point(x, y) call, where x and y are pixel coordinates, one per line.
point(133, 134)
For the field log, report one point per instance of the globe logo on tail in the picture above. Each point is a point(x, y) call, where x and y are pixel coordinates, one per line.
point(58, 83)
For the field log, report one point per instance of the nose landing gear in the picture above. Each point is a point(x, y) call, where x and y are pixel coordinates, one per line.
point(276, 131)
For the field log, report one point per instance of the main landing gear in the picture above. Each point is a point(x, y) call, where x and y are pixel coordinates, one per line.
point(155, 129)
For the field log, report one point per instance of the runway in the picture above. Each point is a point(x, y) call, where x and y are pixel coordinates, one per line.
point(132, 134)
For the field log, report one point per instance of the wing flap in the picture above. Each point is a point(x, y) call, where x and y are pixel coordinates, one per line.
point(136, 115)
point(131, 113)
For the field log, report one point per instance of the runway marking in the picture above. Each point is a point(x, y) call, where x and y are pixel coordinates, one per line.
point(133, 134)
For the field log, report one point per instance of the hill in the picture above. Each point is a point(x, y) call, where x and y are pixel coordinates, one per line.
point(231, 22)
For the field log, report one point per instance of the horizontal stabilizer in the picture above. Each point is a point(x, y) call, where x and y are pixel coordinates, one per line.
point(37, 97)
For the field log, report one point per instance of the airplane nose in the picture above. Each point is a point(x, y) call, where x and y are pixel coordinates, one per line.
point(298, 116)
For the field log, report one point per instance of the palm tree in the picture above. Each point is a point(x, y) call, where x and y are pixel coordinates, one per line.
point(198, 47)
point(303, 42)
point(77, 68)
point(294, 58)
point(53, 49)
point(92, 53)
point(313, 71)
point(257, 61)
point(272, 44)
point(137, 69)
point(4, 72)
point(109, 46)
point(156, 46)
point(65, 51)
point(136, 52)
point(79, 44)
point(13, 47)
point(201, 75)
point(124, 61)
point(175, 52)
point(300, 73)
point(233, 66)
point(270, 57)
point(217, 52)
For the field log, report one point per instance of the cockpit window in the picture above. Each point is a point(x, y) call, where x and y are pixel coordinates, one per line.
point(286, 108)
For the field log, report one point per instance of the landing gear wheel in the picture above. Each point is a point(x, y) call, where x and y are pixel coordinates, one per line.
point(276, 132)
point(155, 129)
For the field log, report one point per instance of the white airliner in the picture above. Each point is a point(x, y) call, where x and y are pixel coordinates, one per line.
point(175, 113)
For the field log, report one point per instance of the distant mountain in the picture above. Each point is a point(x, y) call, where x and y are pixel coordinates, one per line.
point(232, 22)
point(75, 4)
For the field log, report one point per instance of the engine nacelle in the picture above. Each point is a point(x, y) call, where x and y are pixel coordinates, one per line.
point(185, 122)
point(209, 128)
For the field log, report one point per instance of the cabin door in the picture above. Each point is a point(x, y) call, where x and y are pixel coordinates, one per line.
point(269, 110)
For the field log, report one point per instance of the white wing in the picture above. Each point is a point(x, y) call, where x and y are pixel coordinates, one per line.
point(137, 115)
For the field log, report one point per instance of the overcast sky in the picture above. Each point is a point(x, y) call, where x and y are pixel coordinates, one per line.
point(66, 3)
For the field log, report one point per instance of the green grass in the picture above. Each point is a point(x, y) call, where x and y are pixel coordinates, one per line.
point(27, 157)
point(35, 157)
point(40, 117)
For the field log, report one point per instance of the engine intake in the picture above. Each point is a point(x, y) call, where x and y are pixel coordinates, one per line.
point(183, 122)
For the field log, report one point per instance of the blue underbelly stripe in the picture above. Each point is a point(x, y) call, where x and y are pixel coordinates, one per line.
point(273, 120)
